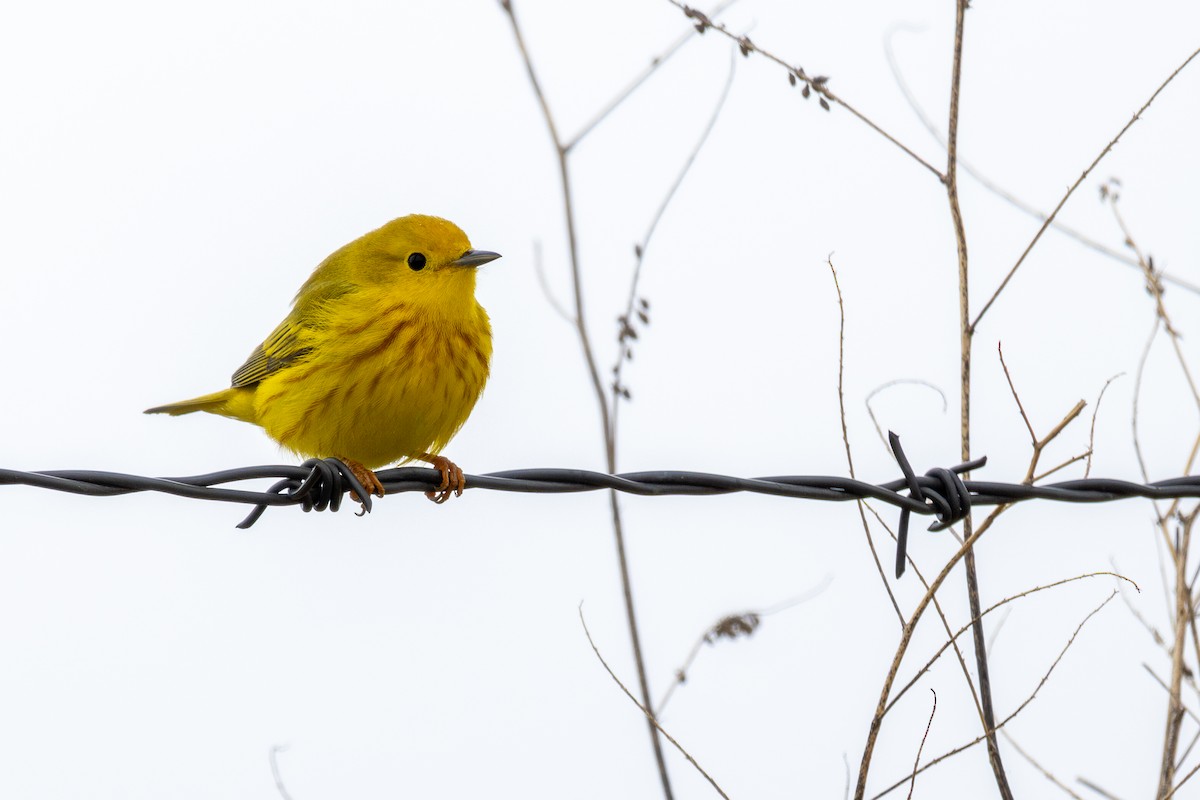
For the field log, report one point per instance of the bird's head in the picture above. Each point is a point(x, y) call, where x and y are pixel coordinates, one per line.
point(419, 251)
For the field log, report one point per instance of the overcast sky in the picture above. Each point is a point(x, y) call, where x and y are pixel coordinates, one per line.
point(170, 175)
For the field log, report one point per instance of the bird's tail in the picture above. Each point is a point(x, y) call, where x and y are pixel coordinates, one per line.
point(227, 402)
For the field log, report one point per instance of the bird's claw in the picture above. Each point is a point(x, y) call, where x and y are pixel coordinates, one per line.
point(453, 480)
point(367, 478)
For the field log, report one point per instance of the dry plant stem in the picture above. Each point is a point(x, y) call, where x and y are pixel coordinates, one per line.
point(1019, 596)
point(540, 270)
point(846, 439)
point(1050, 219)
point(871, 411)
point(1091, 448)
point(1040, 444)
point(966, 332)
point(636, 83)
point(994, 187)
point(597, 386)
point(1167, 689)
point(1045, 772)
point(1154, 286)
point(1175, 710)
point(273, 756)
point(1184, 780)
point(649, 716)
point(1086, 454)
point(916, 761)
point(905, 638)
point(1019, 709)
point(818, 86)
point(1137, 394)
point(710, 636)
point(951, 637)
point(1178, 548)
point(1085, 782)
point(618, 388)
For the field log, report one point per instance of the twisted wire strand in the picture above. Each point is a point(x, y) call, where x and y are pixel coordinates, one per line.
point(321, 484)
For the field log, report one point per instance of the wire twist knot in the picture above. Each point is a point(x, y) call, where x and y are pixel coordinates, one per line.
point(941, 491)
point(324, 487)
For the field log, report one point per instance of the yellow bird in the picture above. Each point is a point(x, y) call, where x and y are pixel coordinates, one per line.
point(381, 359)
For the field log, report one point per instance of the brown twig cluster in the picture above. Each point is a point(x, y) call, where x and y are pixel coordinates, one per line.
point(1175, 524)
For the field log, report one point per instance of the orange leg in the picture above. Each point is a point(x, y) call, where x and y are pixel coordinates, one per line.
point(365, 476)
point(453, 479)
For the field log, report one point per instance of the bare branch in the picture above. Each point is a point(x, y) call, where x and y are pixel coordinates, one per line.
point(887, 587)
point(1010, 717)
point(1045, 772)
point(597, 387)
point(999, 604)
point(273, 756)
point(988, 183)
point(733, 626)
point(626, 322)
point(637, 82)
point(916, 761)
point(540, 271)
point(649, 716)
point(1083, 176)
point(818, 85)
point(890, 384)
point(1092, 432)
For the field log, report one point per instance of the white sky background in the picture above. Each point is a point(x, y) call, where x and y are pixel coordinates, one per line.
point(168, 178)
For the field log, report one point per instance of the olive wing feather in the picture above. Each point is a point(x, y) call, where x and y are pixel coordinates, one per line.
point(283, 347)
point(280, 349)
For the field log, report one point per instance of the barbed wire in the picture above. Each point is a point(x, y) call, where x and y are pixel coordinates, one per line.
point(320, 484)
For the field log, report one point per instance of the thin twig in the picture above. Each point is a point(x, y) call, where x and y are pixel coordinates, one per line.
point(1097, 789)
point(1154, 287)
point(887, 587)
point(818, 85)
point(547, 292)
point(997, 605)
point(1091, 449)
point(937, 607)
point(732, 626)
point(598, 389)
point(992, 186)
point(897, 382)
point(637, 82)
point(916, 761)
point(272, 755)
point(1137, 394)
point(966, 333)
point(1182, 781)
point(1086, 454)
point(1083, 176)
point(1045, 677)
point(902, 648)
point(1047, 774)
point(649, 716)
point(626, 321)
point(1020, 407)
point(1175, 708)
point(1150, 671)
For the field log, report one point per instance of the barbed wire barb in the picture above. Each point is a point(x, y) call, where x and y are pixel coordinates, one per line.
point(320, 484)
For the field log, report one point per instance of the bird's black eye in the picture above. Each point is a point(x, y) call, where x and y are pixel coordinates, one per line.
point(416, 262)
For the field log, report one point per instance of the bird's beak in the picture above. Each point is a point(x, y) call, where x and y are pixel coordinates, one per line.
point(474, 258)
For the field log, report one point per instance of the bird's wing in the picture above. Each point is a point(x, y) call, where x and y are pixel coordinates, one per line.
point(284, 346)
point(280, 349)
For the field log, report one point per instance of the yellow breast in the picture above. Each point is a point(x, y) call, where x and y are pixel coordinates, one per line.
point(387, 383)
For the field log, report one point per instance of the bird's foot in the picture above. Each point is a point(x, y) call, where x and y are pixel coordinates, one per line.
point(453, 480)
point(366, 477)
